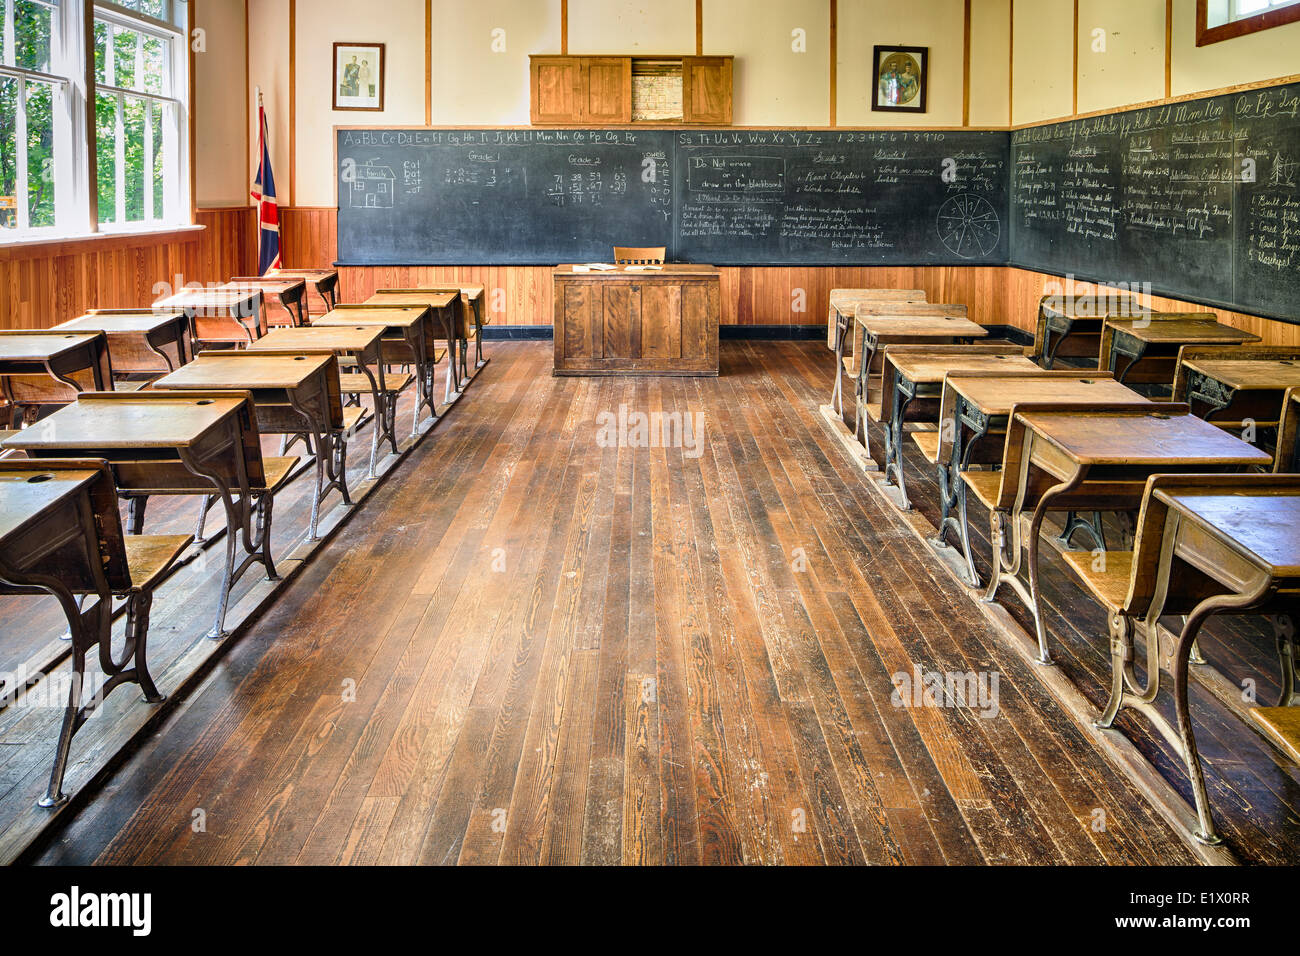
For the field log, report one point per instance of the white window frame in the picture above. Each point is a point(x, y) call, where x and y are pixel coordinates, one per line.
point(175, 93)
point(72, 74)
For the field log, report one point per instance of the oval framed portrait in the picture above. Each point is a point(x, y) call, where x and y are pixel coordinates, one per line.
point(901, 75)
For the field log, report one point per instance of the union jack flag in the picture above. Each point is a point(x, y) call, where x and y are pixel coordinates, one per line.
point(268, 210)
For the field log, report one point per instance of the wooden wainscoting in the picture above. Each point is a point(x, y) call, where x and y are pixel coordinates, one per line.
point(42, 284)
point(1023, 288)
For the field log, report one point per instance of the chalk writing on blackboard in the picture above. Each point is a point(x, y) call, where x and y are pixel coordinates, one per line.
point(969, 226)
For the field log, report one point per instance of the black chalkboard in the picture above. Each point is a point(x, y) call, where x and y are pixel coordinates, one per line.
point(1197, 200)
point(511, 196)
point(829, 197)
point(727, 197)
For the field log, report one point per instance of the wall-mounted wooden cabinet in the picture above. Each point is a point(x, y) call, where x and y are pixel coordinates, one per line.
point(576, 90)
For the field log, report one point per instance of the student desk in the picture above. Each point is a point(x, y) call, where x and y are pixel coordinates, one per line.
point(1243, 537)
point(1070, 326)
point(440, 305)
point(61, 534)
point(220, 316)
point(973, 424)
point(1088, 458)
point(293, 394)
point(1156, 340)
point(323, 282)
point(1287, 457)
point(913, 380)
point(289, 292)
point(409, 338)
point(637, 320)
point(844, 305)
point(875, 330)
point(361, 344)
point(140, 341)
point(475, 296)
point(1250, 383)
point(43, 368)
point(167, 443)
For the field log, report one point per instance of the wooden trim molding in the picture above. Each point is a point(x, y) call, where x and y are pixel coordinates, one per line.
point(834, 58)
point(1074, 107)
point(699, 27)
point(564, 27)
point(248, 100)
point(1011, 65)
point(428, 62)
point(1169, 48)
point(965, 66)
point(293, 100)
point(1206, 34)
point(191, 22)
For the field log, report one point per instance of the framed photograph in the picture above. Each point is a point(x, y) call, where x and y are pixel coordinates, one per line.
point(901, 73)
point(359, 76)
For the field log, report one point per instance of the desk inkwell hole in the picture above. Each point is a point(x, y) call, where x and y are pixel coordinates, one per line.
point(39, 479)
point(1087, 381)
point(204, 401)
point(1160, 416)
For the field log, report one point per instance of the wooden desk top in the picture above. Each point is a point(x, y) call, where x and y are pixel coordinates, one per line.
point(217, 371)
point(124, 321)
point(1181, 331)
point(472, 291)
point(305, 273)
point(921, 326)
point(997, 396)
point(1249, 374)
point(268, 283)
point(125, 420)
point(336, 338)
point(22, 500)
point(1104, 437)
point(394, 318)
point(1262, 524)
point(434, 300)
point(36, 346)
point(222, 300)
point(1077, 307)
point(623, 272)
point(928, 369)
point(847, 300)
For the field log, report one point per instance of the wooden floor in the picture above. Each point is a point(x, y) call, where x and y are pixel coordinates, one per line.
point(530, 648)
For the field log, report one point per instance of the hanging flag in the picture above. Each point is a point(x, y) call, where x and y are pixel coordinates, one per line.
point(268, 210)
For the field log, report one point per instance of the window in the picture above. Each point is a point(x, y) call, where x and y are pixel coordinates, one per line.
point(1224, 19)
point(137, 104)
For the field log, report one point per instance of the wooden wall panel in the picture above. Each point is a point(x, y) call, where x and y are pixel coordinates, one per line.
point(44, 284)
point(1023, 288)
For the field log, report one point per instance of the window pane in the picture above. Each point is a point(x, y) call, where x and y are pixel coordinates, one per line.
point(40, 155)
point(154, 54)
point(133, 128)
point(105, 152)
point(32, 22)
point(8, 153)
point(124, 57)
point(161, 115)
point(154, 8)
point(138, 61)
point(102, 73)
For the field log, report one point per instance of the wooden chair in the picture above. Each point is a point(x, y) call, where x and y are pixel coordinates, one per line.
point(639, 255)
point(1286, 459)
point(1159, 577)
point(78, 550)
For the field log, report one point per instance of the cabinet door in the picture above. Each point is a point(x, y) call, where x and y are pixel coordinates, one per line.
point(699, 325)
point(557, 83)
point(580, 323)
point(661, 320)
point(608, 89)
point(706, 89)
point(622, 321)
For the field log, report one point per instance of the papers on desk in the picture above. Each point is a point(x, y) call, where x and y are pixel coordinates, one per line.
point(643, 268)
point(595, 267)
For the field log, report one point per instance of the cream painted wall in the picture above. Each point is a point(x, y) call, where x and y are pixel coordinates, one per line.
point(1043, 59)
point(631, 26)
point(1265, 55)
point(774, 85)
point(1125, 64)
point(862, 25)
point(268, 67)
point(399, 25)
point(219, 105)
point(473, 83)
point(990, 73)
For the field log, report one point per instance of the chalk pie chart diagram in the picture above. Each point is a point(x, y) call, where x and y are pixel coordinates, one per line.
point(969, 226)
